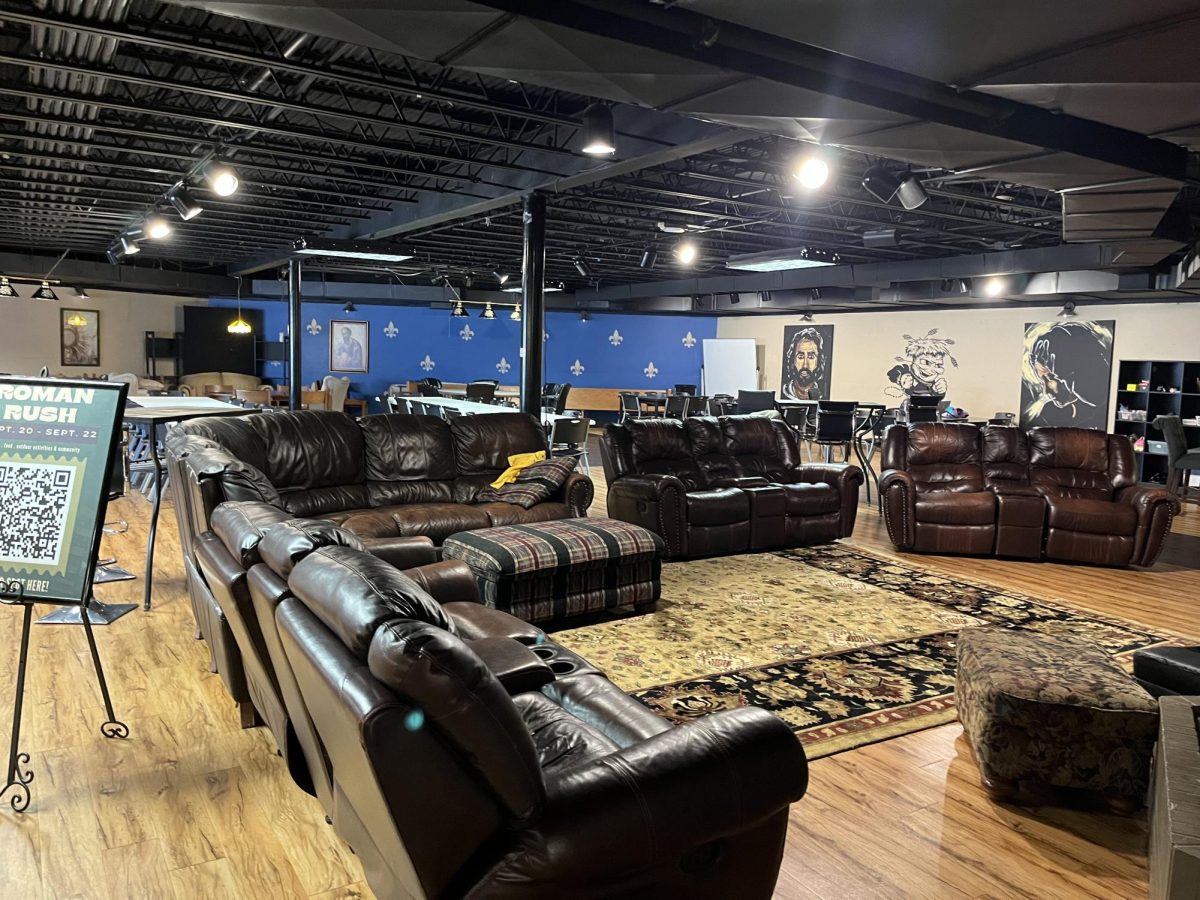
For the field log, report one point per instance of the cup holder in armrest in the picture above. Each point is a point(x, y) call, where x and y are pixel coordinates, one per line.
point(562, 667)
point(545, 652)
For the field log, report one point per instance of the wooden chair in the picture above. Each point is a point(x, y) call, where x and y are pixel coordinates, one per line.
point(259, 397)
point(314, 399)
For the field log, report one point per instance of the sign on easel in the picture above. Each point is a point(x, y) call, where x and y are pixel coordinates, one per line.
point(57, 442)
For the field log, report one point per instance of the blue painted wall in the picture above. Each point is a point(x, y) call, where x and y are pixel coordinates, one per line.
point(610, 350)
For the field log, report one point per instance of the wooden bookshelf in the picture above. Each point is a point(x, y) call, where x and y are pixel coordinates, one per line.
point(1173, 390)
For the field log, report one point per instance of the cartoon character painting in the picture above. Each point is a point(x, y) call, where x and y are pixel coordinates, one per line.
point(922, 368)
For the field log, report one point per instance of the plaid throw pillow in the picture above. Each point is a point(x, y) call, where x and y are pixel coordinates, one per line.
point(535, 484)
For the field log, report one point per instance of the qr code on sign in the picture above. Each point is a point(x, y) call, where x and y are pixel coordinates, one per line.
point(35, 506)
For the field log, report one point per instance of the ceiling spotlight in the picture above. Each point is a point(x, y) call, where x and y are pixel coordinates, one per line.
point(881, 183)
point(6, 289)
point(515, 315)
point(156, 227)
point(113, 254)
point(911, 192)
point(735, 298)
point(458, 311)
point(599, 138)
point(994, 286)
point(128, 245)
point(649, 257)
point(500, 276)
point(584, 316)
point(812, 172)
point(82, 294)
point(184, 203)
point(581, 266)
point(222, 179)
point(349, 307)
point(45, 292)
point(488, 312)
point(686, 252)
point(815, 294)
point(1068, 310)
point(807, 317)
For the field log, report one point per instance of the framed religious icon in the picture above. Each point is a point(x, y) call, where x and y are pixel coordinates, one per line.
point(349, 347)
point(80, 340)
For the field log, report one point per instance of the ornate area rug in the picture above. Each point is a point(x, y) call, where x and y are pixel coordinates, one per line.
point(847, 647)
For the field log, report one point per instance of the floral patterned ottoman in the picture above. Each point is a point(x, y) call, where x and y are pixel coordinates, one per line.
point(1046, 711)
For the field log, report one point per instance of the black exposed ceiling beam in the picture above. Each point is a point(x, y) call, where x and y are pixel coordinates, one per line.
point(682, 33)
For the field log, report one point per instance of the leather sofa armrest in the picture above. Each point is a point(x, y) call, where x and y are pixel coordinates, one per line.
point(474, 621)
point(402, 552)
point(577, 493)
point(688, 786)
point(517, 667)
point(448, 581)
point(1155, 508)
point(845, 477)
point(898, 494)
point(658, 503)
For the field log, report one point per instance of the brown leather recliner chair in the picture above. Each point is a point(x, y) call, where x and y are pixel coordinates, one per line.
point(727, 485)
point(1062, 493)
point(497, 767)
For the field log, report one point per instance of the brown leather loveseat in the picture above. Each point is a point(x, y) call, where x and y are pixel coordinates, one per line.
point(1062, 493)
point(460, 752)
point(725, 485)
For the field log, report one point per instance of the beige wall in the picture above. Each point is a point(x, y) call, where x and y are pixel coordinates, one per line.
point(29, 329)
point(987, 345)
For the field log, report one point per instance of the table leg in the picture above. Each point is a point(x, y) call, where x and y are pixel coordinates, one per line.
point(153, 515)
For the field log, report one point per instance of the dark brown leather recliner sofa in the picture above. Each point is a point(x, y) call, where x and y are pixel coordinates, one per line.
point(725, 485)
point(386, 478)
point(1059, 493)
point(460, 752)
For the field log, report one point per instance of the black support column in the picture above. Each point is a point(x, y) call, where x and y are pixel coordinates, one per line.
point(533, 302)
point(294, 326)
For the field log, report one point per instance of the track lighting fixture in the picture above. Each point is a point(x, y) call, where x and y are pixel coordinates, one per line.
point(458, 311)
point(82, 295)
point(599, 137)
point(807, 317)
point(184, 203)
point(156, 227)
point(488, 312)
point(515, 315)
point(686, 252)
point(815, 294)
point(994, 286)
point(45, 292)
point(128, 245)
point(735, 298)
point(349, 307)
point(581, 266)
point(812, 172)
point(500, 276)
point(6, 289)
point(881, 183)
point(1068, 310)
point(222, 179)
point(649, 257)
point(585, 316)
point(911, 192)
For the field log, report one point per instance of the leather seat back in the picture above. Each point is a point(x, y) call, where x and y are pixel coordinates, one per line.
point(314, 459)
point(760, 445)
point(708, 448)
point(409, 459)
point(944, 457)
point(483, 444)
point(287, 543)
point(1079, 462)
point(1005, 455)
point(661, 447)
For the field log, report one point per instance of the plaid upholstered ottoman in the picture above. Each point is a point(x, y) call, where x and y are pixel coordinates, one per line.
point(564, 568)
point(1044, 712)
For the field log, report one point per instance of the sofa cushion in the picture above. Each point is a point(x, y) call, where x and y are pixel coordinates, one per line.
point(311, 449)
point(944, 457)
point(661, 447)
point(534, 484)
point(438, 521)
point(956, 508)
point(811, 499)
point(1005, 455)
point(241, 526)
point(408, 459)
point(500, 514)
point(306, 503)
point(483, 444)
point(1091, 516)
point(725, 506)
point(289, 542)
point(708, 448)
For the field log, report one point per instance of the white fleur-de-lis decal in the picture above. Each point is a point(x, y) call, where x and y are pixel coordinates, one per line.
point(427, 363)
point(391, 330)
point(689, 340)
point(313, 328)
point(466, 333)
point(615, 338)
point(577, 368)
point(650, 370)
point(545, 336)
point(503, 366)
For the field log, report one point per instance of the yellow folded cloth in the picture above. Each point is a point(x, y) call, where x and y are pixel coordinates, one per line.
point(516, 463)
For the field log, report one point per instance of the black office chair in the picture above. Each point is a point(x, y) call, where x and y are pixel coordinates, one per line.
point(755, 401)
point(798, 418)
point(428, 390)
point(631, 406)
point(569, 437)
point(699, 406)
point(835, 427)
point(677, 406)
point(398, 404)
point(689, 389)
point(924, 407)
point(722, 405)
point(1002, 418)
point(482, 391)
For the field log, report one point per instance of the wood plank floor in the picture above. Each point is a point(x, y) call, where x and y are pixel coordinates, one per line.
point(193, 806)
